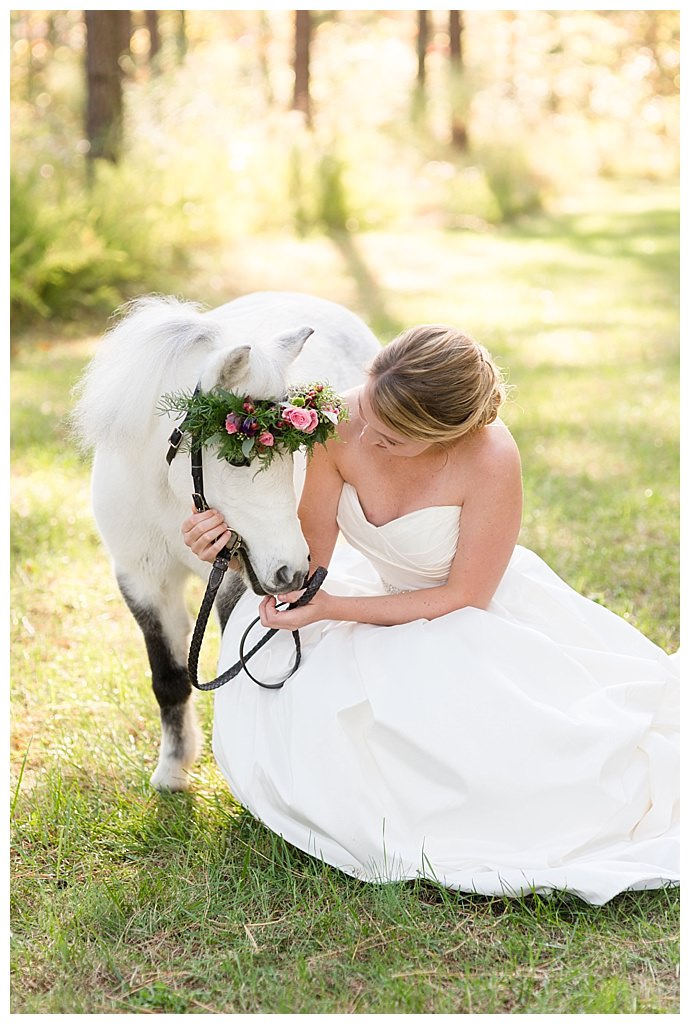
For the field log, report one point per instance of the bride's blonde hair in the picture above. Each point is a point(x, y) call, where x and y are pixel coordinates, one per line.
point(433, 383)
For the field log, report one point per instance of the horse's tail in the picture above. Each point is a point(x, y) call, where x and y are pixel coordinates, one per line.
point(137, 361)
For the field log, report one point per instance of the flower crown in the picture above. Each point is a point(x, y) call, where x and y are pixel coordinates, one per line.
point(246, 430)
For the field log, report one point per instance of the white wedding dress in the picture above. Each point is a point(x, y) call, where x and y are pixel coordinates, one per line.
point(526, 748)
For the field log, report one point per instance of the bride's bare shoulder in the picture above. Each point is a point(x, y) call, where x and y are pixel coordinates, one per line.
point(493, 451)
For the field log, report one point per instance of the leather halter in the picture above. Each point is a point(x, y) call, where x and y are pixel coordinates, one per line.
point(236, 546)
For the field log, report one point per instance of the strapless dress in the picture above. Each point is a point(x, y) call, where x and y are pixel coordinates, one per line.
point(528, 747)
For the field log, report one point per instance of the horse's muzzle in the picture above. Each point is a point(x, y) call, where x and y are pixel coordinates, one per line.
point(284, 580)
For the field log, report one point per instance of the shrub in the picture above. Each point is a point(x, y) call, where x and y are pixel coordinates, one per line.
point(86, 252)
point(514, 184)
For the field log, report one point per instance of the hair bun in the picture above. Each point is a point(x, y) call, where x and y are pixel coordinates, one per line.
point(433, 383)
point(494, 404)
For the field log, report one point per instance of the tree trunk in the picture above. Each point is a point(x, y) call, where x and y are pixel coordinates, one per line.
point(458, 123)
point(154, 35)
point(123, 22)
point(262, 56)
point(107, 37)
point(302, 99)
point(455, 30)
point(422, 43)
point(181, 36)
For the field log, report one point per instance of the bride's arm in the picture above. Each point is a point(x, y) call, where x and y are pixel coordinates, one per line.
point(489, 529)
point(318, 505)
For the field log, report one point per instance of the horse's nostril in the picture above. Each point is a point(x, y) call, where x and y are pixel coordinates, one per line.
point(287, 580)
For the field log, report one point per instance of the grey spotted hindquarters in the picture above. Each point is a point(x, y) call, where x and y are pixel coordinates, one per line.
point(166, 629)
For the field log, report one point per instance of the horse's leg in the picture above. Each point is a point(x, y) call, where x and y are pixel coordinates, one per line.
point(162, 616)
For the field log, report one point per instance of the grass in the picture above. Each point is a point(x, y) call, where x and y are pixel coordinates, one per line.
point(127, 902)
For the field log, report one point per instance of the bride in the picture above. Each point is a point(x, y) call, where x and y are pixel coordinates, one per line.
point(460, 712)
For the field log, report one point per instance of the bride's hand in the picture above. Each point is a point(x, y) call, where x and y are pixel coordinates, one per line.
point(206, 534)
point(293, 618)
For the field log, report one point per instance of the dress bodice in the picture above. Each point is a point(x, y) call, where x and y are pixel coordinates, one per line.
point(411, 552)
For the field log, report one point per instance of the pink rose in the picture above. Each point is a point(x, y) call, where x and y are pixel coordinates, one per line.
point(232, 423)
point(266, 439)
point(306, 420)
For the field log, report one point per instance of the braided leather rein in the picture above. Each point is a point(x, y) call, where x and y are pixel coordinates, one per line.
point(218, 571)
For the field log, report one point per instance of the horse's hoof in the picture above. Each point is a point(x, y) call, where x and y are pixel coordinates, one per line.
point(168, 779)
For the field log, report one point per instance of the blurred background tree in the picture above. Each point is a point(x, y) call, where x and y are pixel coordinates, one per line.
point(422, 46)
point(458, 113)
point(302, 98)
point(107, 40)
point(138, 143)
point(154, 35)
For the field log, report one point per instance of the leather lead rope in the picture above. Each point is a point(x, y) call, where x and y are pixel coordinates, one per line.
point(218, 571)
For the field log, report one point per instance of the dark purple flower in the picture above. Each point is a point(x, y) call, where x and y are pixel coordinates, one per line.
point(250, 427)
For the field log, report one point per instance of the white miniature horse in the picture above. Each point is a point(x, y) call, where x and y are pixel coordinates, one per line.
point(254, 346)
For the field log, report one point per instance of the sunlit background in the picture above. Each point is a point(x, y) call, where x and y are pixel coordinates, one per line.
point(400, 134)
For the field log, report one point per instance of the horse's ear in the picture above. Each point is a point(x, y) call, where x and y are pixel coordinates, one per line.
point(226, 369)
point(288, 345)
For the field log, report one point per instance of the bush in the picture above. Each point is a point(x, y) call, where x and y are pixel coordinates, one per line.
point(514, 185)
point(32, 231)
point(90, 251)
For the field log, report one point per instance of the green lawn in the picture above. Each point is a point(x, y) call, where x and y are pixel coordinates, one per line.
point(126, 901)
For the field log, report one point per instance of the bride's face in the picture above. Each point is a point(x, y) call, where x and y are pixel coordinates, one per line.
point(375, 433)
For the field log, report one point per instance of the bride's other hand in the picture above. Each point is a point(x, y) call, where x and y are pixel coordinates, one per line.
point(206, 534)
point(294, 618)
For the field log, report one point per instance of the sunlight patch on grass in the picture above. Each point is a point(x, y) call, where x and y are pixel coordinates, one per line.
point(601, 197)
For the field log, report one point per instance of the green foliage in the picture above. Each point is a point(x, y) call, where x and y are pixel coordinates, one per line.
point(300, 193)
point(514, 184)
point(318, 193)
point(57, 260)
point(88, 251)
point(333, 211)
point(30, 235)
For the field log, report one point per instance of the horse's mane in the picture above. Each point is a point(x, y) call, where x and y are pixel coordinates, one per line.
point(137, 361)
